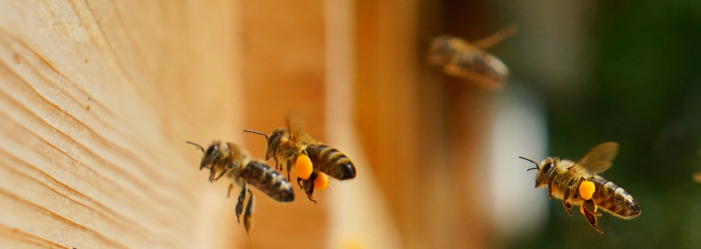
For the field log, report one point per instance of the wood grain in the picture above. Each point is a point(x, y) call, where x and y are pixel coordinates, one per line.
point(96, 101)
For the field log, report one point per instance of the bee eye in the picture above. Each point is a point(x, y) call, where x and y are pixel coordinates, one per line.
point(547, 167)
point(211, 149)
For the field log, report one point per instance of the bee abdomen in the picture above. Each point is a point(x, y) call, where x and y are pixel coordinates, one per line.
point(613, 198)
point(331, 161)
point(268, 181)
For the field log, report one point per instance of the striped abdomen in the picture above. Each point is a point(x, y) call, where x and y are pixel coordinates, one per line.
point(331, 161)
point(484, 64)
point(614, 199)
point(268, 181)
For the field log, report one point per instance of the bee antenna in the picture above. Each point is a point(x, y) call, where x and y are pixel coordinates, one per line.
point(198, 146)
point(257, 132)
point(536, 164)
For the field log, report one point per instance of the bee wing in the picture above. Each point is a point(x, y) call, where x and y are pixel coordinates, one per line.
point(237, 151)
point(458, 44)
point(497, 37)
point(294, 123)
point(597, 160)
point(492, 76)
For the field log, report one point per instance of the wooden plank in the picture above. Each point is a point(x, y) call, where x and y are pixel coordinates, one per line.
point(386, 104)
point(423, 133)
point(284, 69)
point(358, 214)
point(96, 101)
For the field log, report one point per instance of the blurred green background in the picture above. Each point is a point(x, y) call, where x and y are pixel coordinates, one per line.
point(641, 88)
point(624, 71)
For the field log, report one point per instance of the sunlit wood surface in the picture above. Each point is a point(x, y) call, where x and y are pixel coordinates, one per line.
point(284, 69)
point(424, 133)
point(97, 99)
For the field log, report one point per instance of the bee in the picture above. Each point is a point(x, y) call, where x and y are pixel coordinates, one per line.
point(235, 163)
point(316, 180)
point(469, 61)
point(578, 184)
point(313, 160)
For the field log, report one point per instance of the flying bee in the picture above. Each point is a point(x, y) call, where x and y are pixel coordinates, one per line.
point(317, 180)
point(578, 184)
point(312, 159)
point(235, 163)
point(469, 61)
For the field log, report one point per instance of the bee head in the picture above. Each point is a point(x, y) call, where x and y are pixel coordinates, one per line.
point(211, 155)
point(212, 149)
point(273, 140)
point(441, 49)
point(545, 169)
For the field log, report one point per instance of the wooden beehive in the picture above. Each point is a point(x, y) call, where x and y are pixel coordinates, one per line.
point(97, 99)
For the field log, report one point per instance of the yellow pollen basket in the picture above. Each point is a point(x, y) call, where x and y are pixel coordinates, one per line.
point(303, 166)
point(586, 190)
point(321, 181)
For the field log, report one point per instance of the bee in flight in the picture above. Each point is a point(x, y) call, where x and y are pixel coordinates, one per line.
point(578, 184)
point(469, 61)
point(235, 163)
point(313, 160)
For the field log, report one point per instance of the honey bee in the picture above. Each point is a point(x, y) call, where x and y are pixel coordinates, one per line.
point(578, 184)
point(312, 159)
point(469, 61)
point(235, 163)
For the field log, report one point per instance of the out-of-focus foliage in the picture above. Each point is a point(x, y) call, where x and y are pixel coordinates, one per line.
point(644, 93)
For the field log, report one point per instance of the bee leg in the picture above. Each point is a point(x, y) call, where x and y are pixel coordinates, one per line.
point(212, 172)
point(591, 218)
point(239, 203)
point(572, 187)
point(299, 181)
point(310, 193)
point(289, 166)
point(308, 186)
point(591, 207)
point(311, 198)
point(550, 191)
point(220, 175)
point(450, 68)
point(567, 205)
point(248, 216)
point(277, 165)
